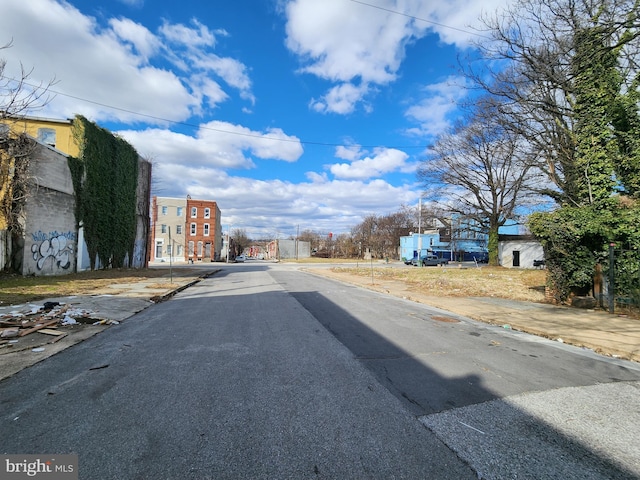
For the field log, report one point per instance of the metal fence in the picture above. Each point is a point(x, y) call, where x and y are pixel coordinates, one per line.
point(620, 291)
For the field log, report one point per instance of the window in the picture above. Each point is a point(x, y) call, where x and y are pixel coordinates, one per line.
point(206, 229)
point(47, 136)
point(178, 229)
point(179, 251)
point(179, 211)
point(200, 244)
point(191, 249)
point(194, 212)
point(193, 229)
point(207, 213)
point(163, 229)
point(169, 250)
point(164, 210)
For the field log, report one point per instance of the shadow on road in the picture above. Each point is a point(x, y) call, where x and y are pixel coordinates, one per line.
point(497, 438)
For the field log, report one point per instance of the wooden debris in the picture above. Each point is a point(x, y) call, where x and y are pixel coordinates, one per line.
point(38, 327)
point(50, 331)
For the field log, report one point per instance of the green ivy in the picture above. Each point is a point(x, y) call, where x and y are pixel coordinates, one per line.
point(576, 239)
point(105, 179)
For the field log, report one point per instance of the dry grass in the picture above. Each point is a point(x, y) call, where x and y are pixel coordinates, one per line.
point(499, 282)
point(16, 289)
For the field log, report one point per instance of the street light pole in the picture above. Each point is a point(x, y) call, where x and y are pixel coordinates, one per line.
point(420, 232)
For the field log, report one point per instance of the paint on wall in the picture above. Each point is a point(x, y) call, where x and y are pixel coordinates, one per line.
point(57, 247)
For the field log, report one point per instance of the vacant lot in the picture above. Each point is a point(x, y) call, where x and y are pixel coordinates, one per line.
point(15, 289)
point(452, 281)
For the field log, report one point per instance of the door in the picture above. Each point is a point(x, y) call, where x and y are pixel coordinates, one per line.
point(516, 258)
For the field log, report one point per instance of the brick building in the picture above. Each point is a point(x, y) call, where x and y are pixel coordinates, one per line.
point(185, 230)
point(204, 230)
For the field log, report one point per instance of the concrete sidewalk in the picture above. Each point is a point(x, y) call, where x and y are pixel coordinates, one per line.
point(612, 335)
point(94, 314)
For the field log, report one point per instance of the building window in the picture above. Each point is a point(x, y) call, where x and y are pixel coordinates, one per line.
point(191, 244)
point(193, 229)
point(179, 250)
point(164, 210)
point(194, 212)
point(179, 211)
point(163, 228)
point(200, 244)
point(169, 250)
point(47, 136)
point(178, 229)
point(206, 229)
point(207, 213)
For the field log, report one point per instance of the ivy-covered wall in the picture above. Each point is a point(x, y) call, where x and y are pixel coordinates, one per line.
point(105, 176)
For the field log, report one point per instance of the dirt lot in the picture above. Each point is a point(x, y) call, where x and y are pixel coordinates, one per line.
point(453, 281)
point(15, 289)
point(449, 281)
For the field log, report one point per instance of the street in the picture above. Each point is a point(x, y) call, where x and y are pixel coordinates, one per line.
point(264, 371)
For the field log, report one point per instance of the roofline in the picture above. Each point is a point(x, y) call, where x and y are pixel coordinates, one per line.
point(42, 119)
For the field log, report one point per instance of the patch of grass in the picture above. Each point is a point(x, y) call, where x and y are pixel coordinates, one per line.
point(514, 284)
point(16, 289)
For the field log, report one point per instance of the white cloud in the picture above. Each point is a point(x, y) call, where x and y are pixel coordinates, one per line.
point(383, 160)
point(215, 145)
point(267, 208)
point(350, 43)
point(341, 99)
point(434, 110)
point(119, 64)
point(145, 43)
point(133, 3)
point(190, 37)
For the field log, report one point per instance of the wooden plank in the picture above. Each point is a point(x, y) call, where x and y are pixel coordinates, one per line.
point(49, 331)
point(39, 327)
point(60, 337)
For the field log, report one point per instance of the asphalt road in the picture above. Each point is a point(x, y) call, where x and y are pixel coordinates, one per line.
point(263, 371)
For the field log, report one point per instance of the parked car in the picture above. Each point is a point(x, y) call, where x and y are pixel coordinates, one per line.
point(430, 260)
point(241, 258)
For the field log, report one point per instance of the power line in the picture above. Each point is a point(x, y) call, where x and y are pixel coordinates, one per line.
point(396, 12)
point(201, 127)
point(262, 137)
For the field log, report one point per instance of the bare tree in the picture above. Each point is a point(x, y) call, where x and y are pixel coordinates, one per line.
point(241, 240)
point(480, 171)
point(381, 233)
point(534, 67)
point(18, 96)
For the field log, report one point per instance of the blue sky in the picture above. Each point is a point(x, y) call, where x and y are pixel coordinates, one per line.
point(291, 114)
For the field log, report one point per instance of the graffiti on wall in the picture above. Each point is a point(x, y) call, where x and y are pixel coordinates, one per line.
point(55, 246)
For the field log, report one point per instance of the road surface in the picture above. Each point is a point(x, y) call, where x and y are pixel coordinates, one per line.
point(263, 371)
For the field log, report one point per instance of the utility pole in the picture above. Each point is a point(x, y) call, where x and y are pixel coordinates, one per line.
point(420, 231)
point(170, 257)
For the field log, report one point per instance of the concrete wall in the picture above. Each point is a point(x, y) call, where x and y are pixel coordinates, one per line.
point(141, 254)
point(3, 249)
point(287, 249)
point(50, 238)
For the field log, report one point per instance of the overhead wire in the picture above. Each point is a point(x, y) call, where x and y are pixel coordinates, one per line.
point(263, 137)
